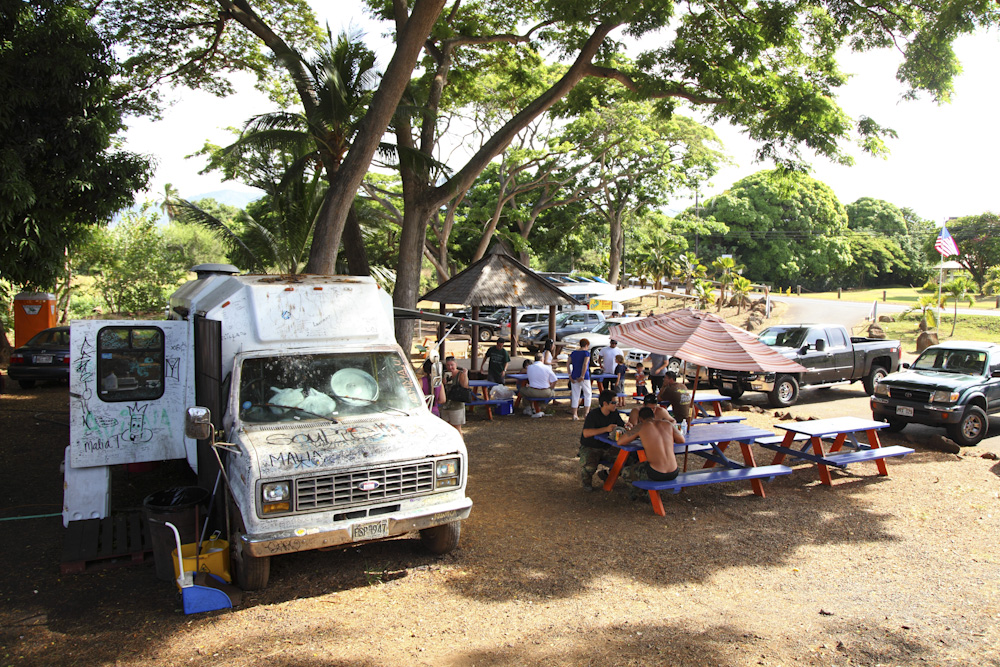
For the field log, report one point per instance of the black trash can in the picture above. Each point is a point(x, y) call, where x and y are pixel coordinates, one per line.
point(179, 506)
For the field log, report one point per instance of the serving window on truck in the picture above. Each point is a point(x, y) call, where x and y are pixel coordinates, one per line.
point(130, 363)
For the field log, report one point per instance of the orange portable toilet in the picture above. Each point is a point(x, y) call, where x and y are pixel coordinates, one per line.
point(33, 312)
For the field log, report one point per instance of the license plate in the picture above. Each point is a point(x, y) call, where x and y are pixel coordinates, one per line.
point(43, 359)
point(370, 531)
point(904, 411)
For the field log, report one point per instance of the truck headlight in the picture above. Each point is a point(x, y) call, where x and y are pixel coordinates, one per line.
point(275, 497)
point(881, 389)
point(446, 473)
point(944, 396)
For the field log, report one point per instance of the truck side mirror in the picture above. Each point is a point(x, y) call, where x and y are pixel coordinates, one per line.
point(198, 423)
point(906, 364)
point(820, 345)
point(804, 349)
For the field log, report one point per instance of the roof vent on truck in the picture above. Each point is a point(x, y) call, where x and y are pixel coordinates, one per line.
point(206, 270)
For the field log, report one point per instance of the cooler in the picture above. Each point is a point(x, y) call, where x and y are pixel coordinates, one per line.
point(34, 312)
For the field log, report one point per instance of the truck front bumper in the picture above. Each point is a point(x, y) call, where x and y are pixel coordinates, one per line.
point(930, 415)
point(311, 536)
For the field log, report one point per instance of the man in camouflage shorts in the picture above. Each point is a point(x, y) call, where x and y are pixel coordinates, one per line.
point(597, 422)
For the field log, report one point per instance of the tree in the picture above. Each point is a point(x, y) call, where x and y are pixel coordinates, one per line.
point(705, 292)
point(887, 246)
point(978, 239)
point(726, 269)
point(59, 114)
point(785, 228)
point(770, 68)
point(959, 289)
point(689, 269)
point(741, 291)
point(131, 269)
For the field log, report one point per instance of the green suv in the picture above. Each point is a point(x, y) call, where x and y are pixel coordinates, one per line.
point(954, 385)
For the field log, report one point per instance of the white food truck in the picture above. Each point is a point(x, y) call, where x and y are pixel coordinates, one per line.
point(327, 438)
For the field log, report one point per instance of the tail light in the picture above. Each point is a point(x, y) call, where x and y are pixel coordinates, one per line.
point(17, 358)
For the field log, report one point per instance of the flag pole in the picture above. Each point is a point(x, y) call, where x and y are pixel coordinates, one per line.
point(940, 278)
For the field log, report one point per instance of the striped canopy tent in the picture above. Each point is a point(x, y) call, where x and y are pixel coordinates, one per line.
point(703, 339)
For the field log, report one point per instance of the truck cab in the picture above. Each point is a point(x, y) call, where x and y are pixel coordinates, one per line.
point(327, 439)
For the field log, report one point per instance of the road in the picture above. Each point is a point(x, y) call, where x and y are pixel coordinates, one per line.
point(849, 313)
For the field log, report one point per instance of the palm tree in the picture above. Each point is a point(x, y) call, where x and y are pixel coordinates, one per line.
point(726, 269)
point(741, 288)
point(689, 269)
point(959, 288)
point(705, 292)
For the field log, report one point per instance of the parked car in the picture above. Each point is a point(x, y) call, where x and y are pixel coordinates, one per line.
point(567, 322)
point(524, 318)
point(954, 385)
point(497, 315)
point(44, 357)
point(599, 338)
point(828, 352)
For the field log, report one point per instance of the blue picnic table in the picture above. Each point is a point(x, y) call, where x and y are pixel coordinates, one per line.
point(843, 431)
point(708, 441)
point(484, 386)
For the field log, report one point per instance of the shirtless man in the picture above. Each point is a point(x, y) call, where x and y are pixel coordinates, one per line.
point(658, 438)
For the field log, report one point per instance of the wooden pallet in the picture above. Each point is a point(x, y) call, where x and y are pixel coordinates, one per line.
point(121, 539)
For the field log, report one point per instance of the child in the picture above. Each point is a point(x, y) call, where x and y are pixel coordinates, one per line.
point(620, 370)
point(640, 381)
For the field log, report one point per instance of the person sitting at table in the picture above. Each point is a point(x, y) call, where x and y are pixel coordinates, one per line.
point(579, 378)
point(547, 357)
point(658, 435)
point(597, 422)
point(672, 392)
point(541, 383)
point(648, 401)
point(498, 358)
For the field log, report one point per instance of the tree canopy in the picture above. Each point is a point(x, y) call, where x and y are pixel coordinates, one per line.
point(59, 114)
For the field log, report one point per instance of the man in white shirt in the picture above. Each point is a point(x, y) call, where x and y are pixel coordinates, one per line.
point(541, 382)
point(608, 363)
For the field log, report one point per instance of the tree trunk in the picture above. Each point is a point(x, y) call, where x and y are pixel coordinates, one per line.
point(615, 249)
point(354, 246)
point(407, 291)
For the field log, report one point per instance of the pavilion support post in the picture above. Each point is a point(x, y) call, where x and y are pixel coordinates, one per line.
point(474, 354)
point(441, 343)
point(513, 331)
point(552, 322)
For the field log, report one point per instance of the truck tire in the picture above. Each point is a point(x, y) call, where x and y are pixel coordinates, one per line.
point(895, 425)
point(874, 376)
point(785, 392)
point(735, 392)
point(250, 573)
point(971, 428)
point(441, 539)
point(485, 335)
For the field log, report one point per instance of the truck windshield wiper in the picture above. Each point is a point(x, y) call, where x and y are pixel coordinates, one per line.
point(293, 407)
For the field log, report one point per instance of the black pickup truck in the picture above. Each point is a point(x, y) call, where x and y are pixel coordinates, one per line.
point(954, 385)
point(829, 353)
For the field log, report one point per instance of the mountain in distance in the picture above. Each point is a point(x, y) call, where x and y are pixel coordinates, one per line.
point(238, 198)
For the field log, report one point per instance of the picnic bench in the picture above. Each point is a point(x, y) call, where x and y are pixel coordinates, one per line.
point(843, 431)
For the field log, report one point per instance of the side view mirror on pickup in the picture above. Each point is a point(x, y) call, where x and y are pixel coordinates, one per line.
point(198, 423)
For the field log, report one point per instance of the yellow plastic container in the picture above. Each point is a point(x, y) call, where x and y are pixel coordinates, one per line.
point(214, 559)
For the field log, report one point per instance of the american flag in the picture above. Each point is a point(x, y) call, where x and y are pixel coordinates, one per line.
point(945, 244)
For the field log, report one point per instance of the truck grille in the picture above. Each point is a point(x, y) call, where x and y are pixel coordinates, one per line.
point(915, 395)
point(342, 490)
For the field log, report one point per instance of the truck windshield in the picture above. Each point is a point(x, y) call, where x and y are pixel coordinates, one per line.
point(783, 336)
point(324, 386)
point(969, 362)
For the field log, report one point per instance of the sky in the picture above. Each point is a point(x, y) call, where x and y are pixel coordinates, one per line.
point(943, 164)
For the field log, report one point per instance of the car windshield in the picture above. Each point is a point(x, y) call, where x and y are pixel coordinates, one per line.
point(969, 362)
point(783, 336)
point(324, 386)
point(602, 328)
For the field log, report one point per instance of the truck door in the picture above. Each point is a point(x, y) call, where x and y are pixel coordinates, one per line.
point(992, 384)
point(129, 389)
point(839, 345)
point(820, 364)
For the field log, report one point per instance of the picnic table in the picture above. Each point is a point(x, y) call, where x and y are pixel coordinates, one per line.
point(708, 441)
point(484, 386)
point(843, 431)
point(709, 398)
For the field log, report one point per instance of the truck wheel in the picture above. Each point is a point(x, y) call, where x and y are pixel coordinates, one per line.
point(874, 376)
point(971, 428)
point(674, 364)
point(895, 425)
point(441, 539)
point(26, 384)
point(485, 335)
point(735, 392)
point(785, 392)
point(249, 572)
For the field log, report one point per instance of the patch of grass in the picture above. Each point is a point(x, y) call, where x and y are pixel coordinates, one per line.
point(969, 327)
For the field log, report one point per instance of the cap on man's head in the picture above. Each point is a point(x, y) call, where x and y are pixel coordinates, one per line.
point(670, 374)
point(648, 399)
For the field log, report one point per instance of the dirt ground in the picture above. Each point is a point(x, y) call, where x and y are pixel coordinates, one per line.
point(873, 571)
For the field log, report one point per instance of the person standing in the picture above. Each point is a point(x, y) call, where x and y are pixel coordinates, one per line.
point(456, 390)
point(498, 358)
point(657, 367)
point(609, 356)
point(597, 422)
point(432, 390)
point(579, 378)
